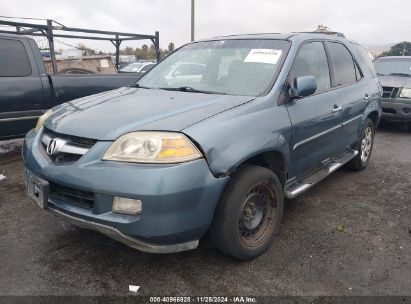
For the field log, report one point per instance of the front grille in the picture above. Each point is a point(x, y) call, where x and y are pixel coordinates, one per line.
point(72, 196)
point(390, 92)
point(70, 155)
point(75, 140)
point(65, 158)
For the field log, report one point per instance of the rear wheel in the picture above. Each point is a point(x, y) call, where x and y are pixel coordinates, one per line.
point(364, 147)
point(249, 213)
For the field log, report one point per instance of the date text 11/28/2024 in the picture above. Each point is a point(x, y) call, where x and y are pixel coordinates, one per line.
point(205, 299)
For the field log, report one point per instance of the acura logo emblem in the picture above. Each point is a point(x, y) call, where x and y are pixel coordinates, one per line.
point(51, 147)
point(54, 146)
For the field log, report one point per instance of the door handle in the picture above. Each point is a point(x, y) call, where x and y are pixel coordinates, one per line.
point(366, 96)
point(337, 108)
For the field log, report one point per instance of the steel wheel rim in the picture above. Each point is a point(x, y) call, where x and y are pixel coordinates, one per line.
point(366, 144)
point(257, 215)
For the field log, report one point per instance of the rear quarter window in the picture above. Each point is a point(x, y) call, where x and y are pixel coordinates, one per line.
point(14, 61)
point(364, 60)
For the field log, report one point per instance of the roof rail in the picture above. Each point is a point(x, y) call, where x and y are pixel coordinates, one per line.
point(338, 34)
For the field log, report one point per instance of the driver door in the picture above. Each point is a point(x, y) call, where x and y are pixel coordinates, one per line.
point(316, 124)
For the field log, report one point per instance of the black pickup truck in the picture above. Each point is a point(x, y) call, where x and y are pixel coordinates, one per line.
point(27, 91)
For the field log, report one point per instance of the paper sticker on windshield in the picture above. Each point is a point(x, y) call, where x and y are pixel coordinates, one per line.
point(263, 56)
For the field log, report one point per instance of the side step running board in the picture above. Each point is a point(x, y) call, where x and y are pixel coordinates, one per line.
point(303, 185)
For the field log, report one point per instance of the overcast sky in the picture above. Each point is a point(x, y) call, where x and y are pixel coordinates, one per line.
point(370, 22)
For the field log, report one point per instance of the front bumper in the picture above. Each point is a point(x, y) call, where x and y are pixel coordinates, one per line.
point(178, 200)
point(396, 109)
point(125, 239)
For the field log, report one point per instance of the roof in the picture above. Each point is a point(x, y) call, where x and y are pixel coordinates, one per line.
point(254, 36)
point(282, 36)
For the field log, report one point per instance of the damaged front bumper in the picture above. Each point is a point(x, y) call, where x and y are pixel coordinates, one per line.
point(178, 200)
point(125, 239)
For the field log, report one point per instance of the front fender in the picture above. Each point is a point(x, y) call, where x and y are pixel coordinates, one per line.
point(232, 137)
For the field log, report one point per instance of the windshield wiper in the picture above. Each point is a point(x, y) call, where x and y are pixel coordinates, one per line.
point(191, 90)
point(400, 74)
point(136, 85)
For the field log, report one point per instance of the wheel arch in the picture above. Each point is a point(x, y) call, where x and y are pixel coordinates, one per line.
point(273, 160)
point(375, 117)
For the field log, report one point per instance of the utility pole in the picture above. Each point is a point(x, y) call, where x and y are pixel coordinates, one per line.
point(192, 20)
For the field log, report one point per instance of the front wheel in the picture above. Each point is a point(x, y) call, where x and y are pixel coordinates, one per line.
point(249, 213)
point(364, 147)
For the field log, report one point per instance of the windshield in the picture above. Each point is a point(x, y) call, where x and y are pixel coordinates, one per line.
point(235, 67)
point(400, 67)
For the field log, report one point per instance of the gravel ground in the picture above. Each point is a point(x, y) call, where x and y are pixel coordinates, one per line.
point(44, 255)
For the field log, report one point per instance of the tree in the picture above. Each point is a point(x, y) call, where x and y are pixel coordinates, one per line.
point(128, 51)
point(147, 52)
point(171, 47)
point(399, 49)
point(86, 50)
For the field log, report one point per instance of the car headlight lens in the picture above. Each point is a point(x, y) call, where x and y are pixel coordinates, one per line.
point(42, 119)
point(405, 93)
point(152, 147)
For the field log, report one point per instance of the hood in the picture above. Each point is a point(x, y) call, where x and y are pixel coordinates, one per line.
point(395, 81)
point(108, 115)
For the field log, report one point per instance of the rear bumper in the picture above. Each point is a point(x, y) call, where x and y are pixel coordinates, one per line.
point(178, 200)
point(397, 111)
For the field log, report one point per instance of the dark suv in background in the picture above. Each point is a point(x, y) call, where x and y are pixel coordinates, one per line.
point(395, 76)
point(254, 119)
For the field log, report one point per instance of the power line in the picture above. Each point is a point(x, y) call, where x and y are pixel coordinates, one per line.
point(67, 44)
point(29, 18)
point(26, 18)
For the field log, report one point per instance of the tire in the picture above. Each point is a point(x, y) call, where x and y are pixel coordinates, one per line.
point(364, 147)
point(249, 213)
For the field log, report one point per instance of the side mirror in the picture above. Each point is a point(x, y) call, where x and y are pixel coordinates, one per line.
point(304, 86)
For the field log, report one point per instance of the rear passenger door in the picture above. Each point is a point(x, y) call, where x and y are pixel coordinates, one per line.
point(21, 90)
point(316, 123)
point(351, 89)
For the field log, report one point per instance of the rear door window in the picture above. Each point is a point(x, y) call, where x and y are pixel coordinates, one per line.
point(312, 61)
point(14, 61)
point(343, 64)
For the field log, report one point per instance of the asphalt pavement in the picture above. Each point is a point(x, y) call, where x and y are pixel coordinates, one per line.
point(349, 235)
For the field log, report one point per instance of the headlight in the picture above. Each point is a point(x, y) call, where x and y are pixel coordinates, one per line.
point(405, 93)
point(152, 147)
point(42, 119)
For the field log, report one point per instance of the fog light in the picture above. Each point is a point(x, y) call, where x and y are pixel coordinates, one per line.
point(127, 205)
